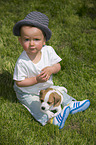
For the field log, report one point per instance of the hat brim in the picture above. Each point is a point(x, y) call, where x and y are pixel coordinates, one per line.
point(18, 25)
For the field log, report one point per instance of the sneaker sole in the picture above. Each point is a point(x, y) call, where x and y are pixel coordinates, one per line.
point(83, 107)
point(66, 111)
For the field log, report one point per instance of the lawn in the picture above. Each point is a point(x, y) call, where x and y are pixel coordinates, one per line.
point(73, 26)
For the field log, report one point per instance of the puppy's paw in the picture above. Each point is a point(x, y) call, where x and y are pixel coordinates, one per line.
point(50, 115)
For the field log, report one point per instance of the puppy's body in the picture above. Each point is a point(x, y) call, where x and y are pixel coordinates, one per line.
point(51, 99)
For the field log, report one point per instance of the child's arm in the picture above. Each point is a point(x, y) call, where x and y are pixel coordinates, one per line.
point(42, 77)
point(26, 82)
point(32, 81)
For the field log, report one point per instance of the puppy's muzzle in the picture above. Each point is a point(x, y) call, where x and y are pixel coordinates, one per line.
point(44, 106)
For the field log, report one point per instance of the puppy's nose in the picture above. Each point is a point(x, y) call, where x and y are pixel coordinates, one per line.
point(43, 108)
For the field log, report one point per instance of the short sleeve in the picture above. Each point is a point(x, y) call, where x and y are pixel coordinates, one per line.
point(54, 58)
point(20, 72)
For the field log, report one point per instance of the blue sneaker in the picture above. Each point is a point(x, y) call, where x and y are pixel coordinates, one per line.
point(64, 116)
point(78, 106)
point(61, 118)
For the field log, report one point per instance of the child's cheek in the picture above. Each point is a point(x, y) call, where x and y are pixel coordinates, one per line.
point(40, 46)
point(25, 46)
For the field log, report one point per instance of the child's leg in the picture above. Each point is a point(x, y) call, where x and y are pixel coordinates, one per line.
point(67, 99)
point(32, 103)
point(75, 106)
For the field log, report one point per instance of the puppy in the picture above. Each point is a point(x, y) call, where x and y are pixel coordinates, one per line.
point(51, 99)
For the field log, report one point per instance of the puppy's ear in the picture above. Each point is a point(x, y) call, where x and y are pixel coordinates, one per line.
point(45, 91)
point(42, 92)
point(48, 89)
point(57, 99)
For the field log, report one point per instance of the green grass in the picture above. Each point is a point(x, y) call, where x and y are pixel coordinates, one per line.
point(73, 25)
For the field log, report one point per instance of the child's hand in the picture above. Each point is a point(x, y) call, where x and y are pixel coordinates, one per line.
point(44, 75)
point(47, 71)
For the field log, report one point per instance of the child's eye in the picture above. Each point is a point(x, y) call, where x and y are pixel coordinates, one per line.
point(36, 39)
point(26, 39)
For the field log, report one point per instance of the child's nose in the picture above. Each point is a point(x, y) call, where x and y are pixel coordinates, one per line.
point(32, 42)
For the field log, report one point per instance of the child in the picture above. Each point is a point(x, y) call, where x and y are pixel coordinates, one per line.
point(34, 69)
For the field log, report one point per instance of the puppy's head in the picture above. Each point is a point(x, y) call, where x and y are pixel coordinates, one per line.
point(49, 98)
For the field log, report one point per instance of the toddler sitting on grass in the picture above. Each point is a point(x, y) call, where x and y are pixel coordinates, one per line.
point(34, 69)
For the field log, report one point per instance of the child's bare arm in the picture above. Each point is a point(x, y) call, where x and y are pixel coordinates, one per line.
point(26, 82)
point(32, 81)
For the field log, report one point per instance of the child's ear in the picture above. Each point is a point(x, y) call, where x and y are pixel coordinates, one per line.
point(44, 43)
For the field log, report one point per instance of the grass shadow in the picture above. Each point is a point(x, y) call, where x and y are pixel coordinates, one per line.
point(6, 90)
point(6, 87)
point(88, 8)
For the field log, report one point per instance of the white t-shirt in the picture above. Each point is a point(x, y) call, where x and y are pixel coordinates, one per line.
point(25, 68)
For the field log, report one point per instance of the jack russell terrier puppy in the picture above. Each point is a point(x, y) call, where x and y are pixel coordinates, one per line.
point(51, 99)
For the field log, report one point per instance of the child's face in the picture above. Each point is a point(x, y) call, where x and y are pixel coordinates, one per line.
point(32, 39)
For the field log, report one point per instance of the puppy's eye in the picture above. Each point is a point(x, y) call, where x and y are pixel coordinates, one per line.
point(41, 101)
point(49, 103)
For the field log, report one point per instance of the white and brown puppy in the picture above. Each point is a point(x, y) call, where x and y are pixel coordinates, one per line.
point(51, 99)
